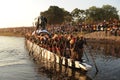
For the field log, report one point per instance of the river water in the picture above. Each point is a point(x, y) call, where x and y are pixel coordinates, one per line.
point(16, 64)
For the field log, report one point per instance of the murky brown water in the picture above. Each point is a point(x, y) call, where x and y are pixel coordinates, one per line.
point(16, 64)
point(107, 61)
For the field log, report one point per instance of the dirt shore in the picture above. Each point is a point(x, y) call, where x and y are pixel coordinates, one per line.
point(102, 37)
point(12, 34)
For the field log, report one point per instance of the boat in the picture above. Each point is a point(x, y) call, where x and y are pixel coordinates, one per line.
point(40, 52)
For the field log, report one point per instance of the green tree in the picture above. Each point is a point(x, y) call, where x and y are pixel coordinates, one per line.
point(107, 12)
point(110, 12)
point(78, 15)
point(93, 14)
point(67, 17)
point(55, 15)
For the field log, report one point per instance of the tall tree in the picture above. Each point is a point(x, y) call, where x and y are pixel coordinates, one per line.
point(67, 17)
point(92, 14)
point(55, 15)
point(110, 12)
point(107, 12)
point(78, 15)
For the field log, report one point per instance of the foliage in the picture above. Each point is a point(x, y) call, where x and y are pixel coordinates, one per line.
point(110, 12)
point(56, 15)
point(78, 15)
point(107, 12)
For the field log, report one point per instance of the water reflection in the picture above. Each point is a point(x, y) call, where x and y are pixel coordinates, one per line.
point(106, 49)
point(106, 57)
point(56, 71)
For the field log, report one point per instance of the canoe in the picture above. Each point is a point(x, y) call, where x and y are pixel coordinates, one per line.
point(40, 52)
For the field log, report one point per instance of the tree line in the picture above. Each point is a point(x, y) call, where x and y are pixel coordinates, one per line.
point(56, 15)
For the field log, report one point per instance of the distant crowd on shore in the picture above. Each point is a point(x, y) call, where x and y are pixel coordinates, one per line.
point(113, 27)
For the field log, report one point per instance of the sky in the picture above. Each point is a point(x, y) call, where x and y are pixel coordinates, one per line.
point(17, 13)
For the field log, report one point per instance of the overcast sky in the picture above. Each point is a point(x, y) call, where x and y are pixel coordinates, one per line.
point(16, 13)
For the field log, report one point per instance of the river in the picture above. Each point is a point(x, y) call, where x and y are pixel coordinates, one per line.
point(16, 64)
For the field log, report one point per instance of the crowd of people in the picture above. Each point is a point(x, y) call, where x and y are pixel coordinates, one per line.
point(61, 44)
point(113, 27)
point(59, 39)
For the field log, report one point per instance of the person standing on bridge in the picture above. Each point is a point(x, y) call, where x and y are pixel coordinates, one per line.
point(79, 47)
point(41, 23)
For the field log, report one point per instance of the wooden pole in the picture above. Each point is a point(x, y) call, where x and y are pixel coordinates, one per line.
point(94, 62)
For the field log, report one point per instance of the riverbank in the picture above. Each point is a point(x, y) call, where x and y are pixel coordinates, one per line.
point(101, 36)
point(16, 31)
point(12, 34)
